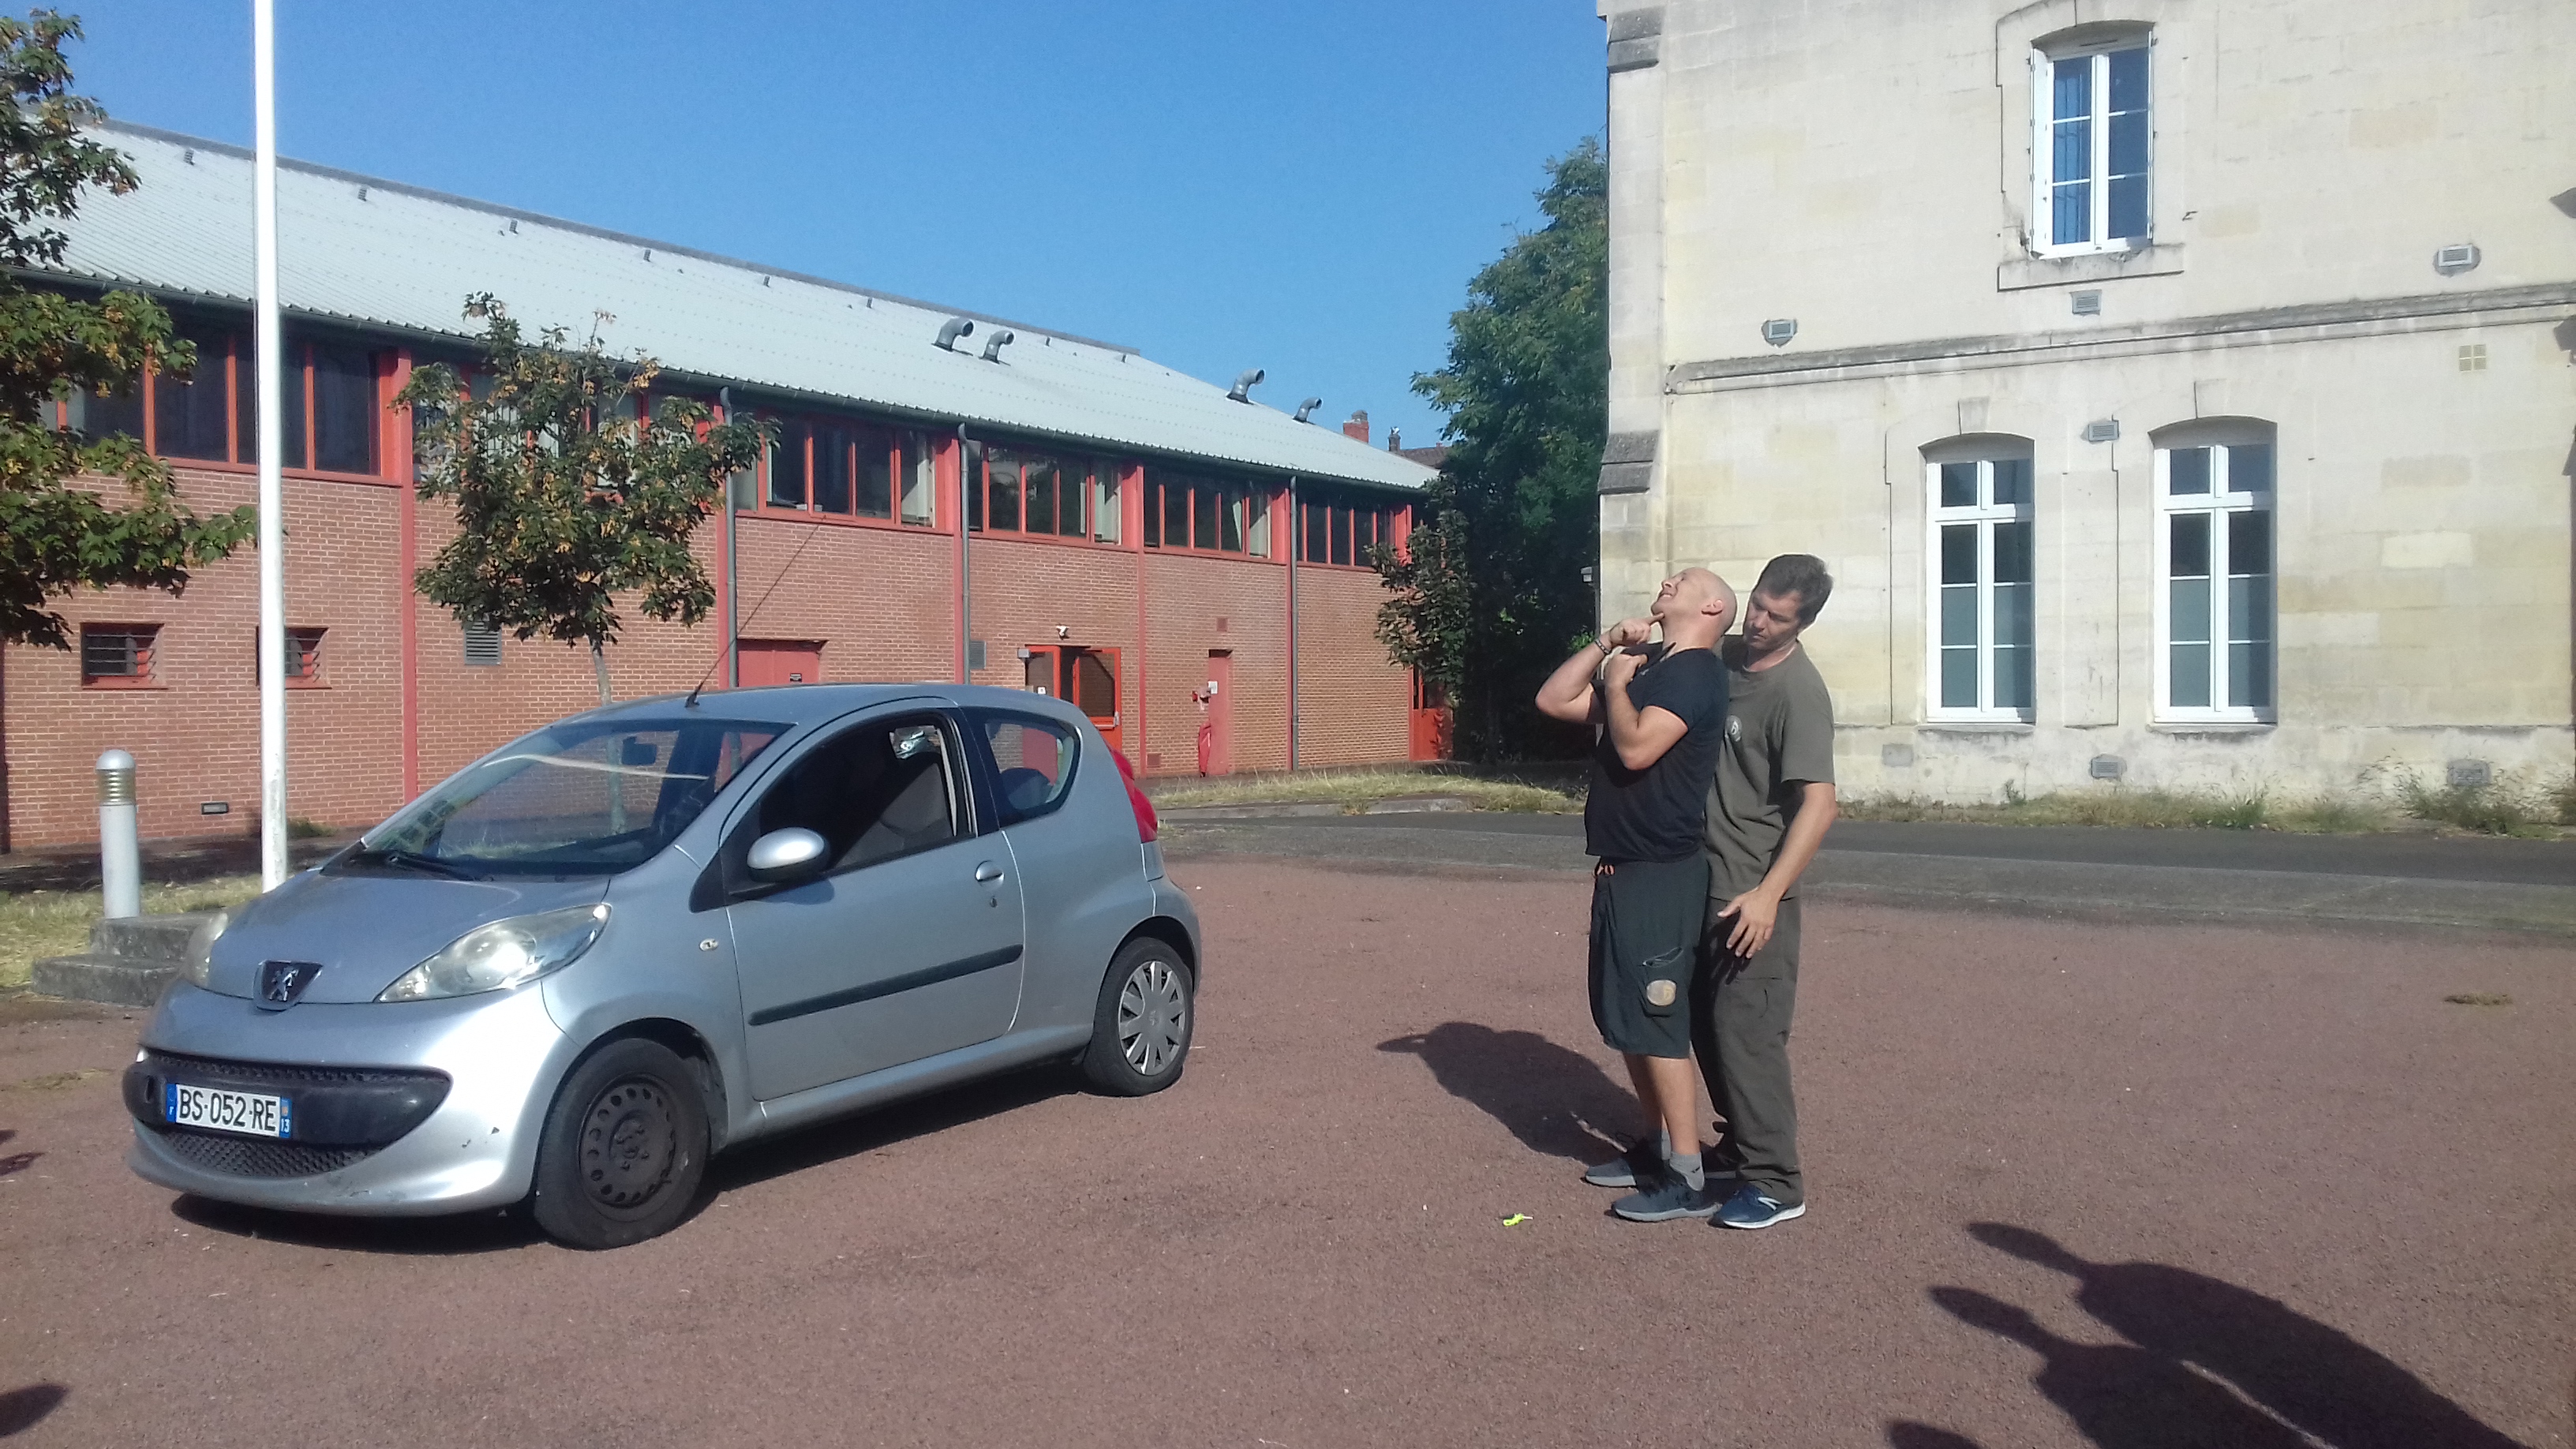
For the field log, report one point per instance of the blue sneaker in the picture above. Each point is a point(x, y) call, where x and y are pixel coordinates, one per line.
point(1668, 1198)
point(1751, 1207)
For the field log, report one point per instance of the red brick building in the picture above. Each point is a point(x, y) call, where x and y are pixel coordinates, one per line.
point(952, 497)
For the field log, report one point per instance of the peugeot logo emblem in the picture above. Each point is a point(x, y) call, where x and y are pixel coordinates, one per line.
point(282, 983)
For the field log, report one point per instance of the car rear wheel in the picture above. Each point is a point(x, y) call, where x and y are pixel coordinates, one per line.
point(1140, 1035)
point(624, 1150)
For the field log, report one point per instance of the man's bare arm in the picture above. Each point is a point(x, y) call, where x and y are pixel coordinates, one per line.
point(1639, 735)
point(1567, 695)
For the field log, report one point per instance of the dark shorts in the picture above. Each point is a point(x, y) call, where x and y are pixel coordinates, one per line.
point(1645, 946)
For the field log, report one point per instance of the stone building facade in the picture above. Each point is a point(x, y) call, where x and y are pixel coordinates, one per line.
point(2179, 390)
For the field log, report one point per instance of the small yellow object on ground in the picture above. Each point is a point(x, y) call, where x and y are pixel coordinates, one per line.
point(1515, 1220)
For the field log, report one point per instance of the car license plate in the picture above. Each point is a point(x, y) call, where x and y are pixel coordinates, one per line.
point(249, 1113)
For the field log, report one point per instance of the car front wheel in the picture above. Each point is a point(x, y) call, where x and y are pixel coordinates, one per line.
point(1140, 1035)
point(624, 1150)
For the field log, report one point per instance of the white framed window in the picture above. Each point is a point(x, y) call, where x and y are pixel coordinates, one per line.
point(2215, 652)
point(1980, 659)
point(2090, 144)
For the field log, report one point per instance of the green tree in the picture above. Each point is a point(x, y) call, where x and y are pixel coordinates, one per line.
point(55, 536)
point(568, 491)
point(1499, 595)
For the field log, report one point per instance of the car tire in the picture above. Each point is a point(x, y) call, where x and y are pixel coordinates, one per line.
point(1140, 1031)
point(624, 1150)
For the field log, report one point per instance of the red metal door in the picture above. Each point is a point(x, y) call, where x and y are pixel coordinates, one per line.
point(780, 661)
point(1088, 680)
point(1432, 723)
point(1083, 677)
point(1216, 730)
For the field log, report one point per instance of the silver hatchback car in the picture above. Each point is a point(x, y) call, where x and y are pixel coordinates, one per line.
point(592, 958)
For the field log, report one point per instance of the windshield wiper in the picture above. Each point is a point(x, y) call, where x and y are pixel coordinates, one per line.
point(410, 860)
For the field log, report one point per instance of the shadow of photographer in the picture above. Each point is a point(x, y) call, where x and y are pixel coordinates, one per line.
point(2205, 1363)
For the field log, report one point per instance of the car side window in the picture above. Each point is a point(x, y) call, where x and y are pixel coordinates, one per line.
point(874, 792)
point(1032, 763)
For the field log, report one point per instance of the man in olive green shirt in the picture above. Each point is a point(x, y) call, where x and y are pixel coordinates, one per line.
point(1768, 810)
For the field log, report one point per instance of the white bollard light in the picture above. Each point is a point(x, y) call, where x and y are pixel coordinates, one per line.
point(120, 859)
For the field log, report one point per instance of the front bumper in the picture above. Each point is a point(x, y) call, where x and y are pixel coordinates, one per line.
point(400, 1108)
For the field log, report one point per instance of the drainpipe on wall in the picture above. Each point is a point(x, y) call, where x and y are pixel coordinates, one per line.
point(1295, 532)
point(965, 570)
point(733, 567)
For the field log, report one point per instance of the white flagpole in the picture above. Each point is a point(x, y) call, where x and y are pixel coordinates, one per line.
point(272, 430)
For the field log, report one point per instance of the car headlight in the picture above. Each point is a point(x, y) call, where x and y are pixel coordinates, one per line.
point(200, 966)
point(503, 954)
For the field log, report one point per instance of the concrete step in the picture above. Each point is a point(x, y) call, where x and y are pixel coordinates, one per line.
point(128, 961)
point(148, 940)
point(111, 979)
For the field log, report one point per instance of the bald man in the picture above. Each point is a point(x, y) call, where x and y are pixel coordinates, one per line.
point(1660, 714)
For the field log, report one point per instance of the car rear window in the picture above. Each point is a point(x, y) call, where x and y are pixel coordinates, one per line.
point(1033, 762)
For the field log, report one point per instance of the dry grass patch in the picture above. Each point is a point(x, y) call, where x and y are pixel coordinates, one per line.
point(2139, 809)
point(38, 924)
point(1360, 789)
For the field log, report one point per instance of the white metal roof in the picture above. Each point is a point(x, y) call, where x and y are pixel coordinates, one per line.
point(370, 251)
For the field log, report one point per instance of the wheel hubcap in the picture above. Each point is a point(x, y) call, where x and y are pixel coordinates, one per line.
point(629, 1142)
point(1153, 1017)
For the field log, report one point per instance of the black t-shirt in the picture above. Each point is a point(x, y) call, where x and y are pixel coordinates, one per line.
point(1657, 813)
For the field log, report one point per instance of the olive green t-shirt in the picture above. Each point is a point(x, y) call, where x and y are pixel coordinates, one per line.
point(1779, 736)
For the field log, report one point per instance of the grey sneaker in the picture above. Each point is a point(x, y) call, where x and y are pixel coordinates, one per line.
point(1670, 1198)
point(1642, 1162)
point(1751, 1207)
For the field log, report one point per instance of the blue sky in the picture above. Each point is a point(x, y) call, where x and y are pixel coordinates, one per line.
point(1303, 188)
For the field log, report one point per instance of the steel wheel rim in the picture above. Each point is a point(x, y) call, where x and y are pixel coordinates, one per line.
point(1153, 1017)
point(629, 1144)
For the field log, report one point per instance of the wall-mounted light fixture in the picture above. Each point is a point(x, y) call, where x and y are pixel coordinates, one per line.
point(1243, 384)
point(1306, 409)
point(2102, 430)
point(1779, 330)
point(994, 344)
point(951, 330)
point(2450, 261)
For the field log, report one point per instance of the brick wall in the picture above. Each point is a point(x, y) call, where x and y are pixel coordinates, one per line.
point(1352, 703)
point(881, 601)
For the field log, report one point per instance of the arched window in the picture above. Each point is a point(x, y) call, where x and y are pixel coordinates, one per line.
point(2215, 650)
point(1982, 578)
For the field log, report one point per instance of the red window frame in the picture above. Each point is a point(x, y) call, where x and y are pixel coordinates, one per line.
point(241, 445)
point(1076, 475)
point(1202, 500)
point(811, 434)
point(1347, 525)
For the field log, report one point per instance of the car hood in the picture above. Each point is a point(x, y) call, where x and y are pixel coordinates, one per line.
point(367, 928)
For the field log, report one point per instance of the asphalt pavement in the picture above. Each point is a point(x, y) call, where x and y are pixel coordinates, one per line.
point(2368, 882)
point(2069, 1185)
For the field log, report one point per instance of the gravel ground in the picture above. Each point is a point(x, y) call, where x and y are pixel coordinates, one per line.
point(2072, 1183)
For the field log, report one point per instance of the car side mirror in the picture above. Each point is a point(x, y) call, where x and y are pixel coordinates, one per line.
point(786, 855)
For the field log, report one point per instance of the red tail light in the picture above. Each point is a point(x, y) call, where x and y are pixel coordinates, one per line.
point(1148, 824)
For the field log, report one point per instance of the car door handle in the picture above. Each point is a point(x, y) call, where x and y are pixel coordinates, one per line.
point(988, 872)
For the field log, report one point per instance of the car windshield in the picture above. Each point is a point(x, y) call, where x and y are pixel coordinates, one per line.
point(581, 798)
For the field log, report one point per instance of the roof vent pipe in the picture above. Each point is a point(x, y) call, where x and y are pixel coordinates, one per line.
point(1306, 409)
point(951, 330)
point(993, 345)
point(1243, 384)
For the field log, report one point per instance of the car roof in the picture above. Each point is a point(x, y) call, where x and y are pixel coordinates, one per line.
point(806, 704)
